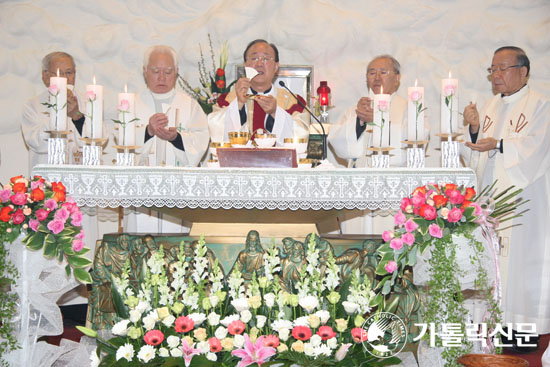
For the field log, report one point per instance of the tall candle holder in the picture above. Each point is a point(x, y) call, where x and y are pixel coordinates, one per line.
point(416, 153)
point(380, 157)
point(450, 150)
point(57, 146)
point(92, 151)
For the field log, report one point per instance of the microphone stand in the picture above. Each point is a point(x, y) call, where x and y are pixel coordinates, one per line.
point(324, 136)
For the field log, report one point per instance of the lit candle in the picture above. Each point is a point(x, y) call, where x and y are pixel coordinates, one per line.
point(449, 105)
point(94, 111)
point(126, 113)
point(381, 130)
point(58, 98)
point(415, 113)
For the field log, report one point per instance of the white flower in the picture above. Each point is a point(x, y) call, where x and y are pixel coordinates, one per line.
point(229, 319)
point(143, 306)
point(168, 320)
point(309, 303)
point(126, 351)
point(173, 341)
point(146, 353)
point(213, 319)
point(203, 346)
point(220, 332)
point(135, 315)
point(323, 349)
point(238, 341)
point(246, 316)
point(323, 315)
point(211, 356)
point(260, 321)
point(315, 340)
point(214, 300)
point(240, 304)
point(332, 343)
point(163, 352)
point(198, 318)
point(176, 352)
point(269, 299)
point(278, 325)
point(309, 350)
point(302, 321)
point(94, 359)
point(149, 322)
point(284, 334)
point(350, 307)
point(121, 328)
point(342, 351)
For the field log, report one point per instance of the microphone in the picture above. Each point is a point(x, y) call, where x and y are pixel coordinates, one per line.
point(324, 136)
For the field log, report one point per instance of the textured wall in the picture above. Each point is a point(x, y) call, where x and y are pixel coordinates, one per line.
point(338, 37)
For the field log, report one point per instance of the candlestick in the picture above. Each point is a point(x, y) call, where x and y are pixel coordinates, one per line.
point(94, 111)
point(449, 105)
point(126, 116)
point(381, 130)
point(415, 113)
point(58, 99)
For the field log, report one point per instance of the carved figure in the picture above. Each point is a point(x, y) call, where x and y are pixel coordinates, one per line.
point(251, 259)
point(292, 263)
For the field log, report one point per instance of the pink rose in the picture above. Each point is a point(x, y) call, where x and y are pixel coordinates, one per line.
point(50, 204)
point(455, 197)
point(33, 223)
point(410, 225)
point(78, 245)
point(61, 214)
point(449, 90)
point(408, 239)
point(428, 212)
point(42, 214)
point(76, 219)
point(399, 218)
point(53, 89)
point(19, 198)
point(406, 205)
point(70, 206)
point(124, 105)
point(18, 217)
point(37, 185)
point(387, 236)
point(478, 210)
point(454, 215)
point(418, 200)
point(383, 105)
point(435, 231)
point(90, 95)
point(80, 236)
point(396, 244)
point(415, 95)
point(56, 226)
point(391, 266)
point(5, 195)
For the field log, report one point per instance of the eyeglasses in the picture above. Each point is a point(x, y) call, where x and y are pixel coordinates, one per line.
point(383, 73)
point(261, 59)
point(494, 69)
point(66, 74)
point(157, 71)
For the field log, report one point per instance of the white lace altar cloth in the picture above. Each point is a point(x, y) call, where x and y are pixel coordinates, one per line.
point(246, 188)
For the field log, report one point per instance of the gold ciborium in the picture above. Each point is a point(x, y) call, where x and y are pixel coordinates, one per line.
point(239, 138)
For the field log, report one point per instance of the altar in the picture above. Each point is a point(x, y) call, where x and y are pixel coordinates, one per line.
point(278, 202)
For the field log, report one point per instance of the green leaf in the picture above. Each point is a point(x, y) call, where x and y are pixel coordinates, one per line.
point(411, 258)
point(35, 241)
point(120, 307)
point(68, 248)
point(50, 248)
point(78, 261)
point(82, 276)
point(387, 288)
point(68, 270)
point(87, 331)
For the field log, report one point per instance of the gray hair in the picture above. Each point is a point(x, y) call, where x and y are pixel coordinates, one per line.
point(521, 56)
point(47, 60)
point(162, 49)
point(396, 65)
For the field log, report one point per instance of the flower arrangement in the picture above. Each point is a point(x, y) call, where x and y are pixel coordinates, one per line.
point(51, 221)
point(193, 316)
point(213, 83)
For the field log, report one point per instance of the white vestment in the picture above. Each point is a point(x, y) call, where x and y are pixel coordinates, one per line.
point(522, 121)
point(193, 128)
point(343, 139)
point(227, 119)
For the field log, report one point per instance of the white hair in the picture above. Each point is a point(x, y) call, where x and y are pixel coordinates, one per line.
point(47, 60)
point(162, 49)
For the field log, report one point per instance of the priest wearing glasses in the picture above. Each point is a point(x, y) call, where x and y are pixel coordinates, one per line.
point(508, 141)
point(255, 103)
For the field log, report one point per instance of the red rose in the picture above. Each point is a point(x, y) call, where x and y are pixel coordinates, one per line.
point(19, 187)
point(439, 200)
point(220, 83)
point(421, 189)
point(14, 179)
point(59, 191)
point(470, 193)
point(220, 72)
point(18, 217)
point(37, 195)
point(428, 212)
point(6, 214)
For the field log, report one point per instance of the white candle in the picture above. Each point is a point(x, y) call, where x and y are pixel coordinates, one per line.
point(449, 105)
point(126, 113)
point(58, 98)
point(381, 130)
point(94, 111)
point(415, 113)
